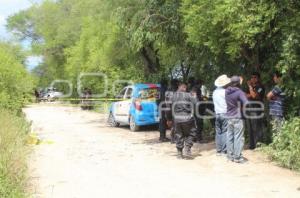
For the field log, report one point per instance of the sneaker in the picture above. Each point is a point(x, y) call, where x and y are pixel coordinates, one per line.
point(164, 140)
point(241, 160)
point(188, 153)
point(229, 158)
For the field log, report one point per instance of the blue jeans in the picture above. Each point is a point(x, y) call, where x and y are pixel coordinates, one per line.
point(221, 133)
point(235, 138)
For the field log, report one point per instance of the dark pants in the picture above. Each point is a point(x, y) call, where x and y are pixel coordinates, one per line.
point(255, 130)
point(221, 133)
point(185, 133)
point(199, 128)
point(173, 140)
point(162, 125)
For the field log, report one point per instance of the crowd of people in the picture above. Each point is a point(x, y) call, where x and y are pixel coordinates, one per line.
point(232, 107)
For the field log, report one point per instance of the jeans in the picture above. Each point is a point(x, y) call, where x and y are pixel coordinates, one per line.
point(221, 125)
point(185, 133)
point(235, 138)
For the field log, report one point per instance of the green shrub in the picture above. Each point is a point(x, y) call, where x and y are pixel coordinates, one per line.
point(15, 81)
point(13, 133)
point(285, 148)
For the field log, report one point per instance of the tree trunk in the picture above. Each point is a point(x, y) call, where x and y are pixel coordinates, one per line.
point(150, 59)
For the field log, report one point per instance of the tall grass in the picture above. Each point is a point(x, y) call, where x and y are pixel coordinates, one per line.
point(13, 154)
point(285, 148)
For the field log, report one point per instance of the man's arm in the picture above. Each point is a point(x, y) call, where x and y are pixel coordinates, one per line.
point(243, 98)
point(274, 93)
point(252, 94)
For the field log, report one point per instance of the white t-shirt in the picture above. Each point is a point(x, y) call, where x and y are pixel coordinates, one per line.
point(220, 101)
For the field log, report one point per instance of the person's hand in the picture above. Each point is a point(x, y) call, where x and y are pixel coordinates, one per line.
point(169, 124)
point(249, 83)
point(241, 80)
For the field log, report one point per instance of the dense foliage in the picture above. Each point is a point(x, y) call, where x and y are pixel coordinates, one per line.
point(286, 146)
point(16, 87)
point(16, 84)
point(147, 40)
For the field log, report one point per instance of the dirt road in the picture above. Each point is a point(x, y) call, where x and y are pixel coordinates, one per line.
point(87, 159)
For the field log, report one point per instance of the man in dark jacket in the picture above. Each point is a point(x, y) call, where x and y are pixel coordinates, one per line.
point(255, 93)
point(235, 100)
point(183, 116)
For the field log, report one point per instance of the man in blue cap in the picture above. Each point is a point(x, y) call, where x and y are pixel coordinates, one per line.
point(235, 100)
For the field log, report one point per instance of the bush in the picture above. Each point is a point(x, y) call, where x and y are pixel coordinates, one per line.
point(16, 83)
point(13, 133)
point(285, 148)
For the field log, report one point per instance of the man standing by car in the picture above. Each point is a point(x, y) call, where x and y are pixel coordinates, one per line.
point(196, 90)
point(276, 99)
point(168, 99)
point(221, 122)
point(162, 111)
point(255, 93)
point(235, 100)
point(182, 114)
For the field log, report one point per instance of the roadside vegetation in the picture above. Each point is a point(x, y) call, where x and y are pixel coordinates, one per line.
point(285, 148)
point(15, 88)
point(146, 40)
point(13, 168)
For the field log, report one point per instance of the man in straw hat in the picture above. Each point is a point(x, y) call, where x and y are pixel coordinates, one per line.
point(221, 123)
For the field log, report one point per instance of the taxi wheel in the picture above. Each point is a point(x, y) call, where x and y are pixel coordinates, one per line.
point(111, 121)
point(132, 124)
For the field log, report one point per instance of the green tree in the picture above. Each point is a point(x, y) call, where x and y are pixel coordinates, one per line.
point(16, 85)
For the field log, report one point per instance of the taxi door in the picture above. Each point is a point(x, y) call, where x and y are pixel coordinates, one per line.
point(124, 106)
point(117, 109)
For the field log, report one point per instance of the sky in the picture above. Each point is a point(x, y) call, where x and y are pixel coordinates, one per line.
point(8, 8)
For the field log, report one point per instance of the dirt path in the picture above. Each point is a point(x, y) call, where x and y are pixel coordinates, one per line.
point(88, 159)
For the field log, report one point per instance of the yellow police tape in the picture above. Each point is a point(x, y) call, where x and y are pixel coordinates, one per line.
point(98, 103)
point(99, 99)
point(81, 99)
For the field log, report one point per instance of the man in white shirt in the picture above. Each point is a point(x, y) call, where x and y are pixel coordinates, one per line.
point(220, 104)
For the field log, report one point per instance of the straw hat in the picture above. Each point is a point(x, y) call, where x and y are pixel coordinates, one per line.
point(222, 81)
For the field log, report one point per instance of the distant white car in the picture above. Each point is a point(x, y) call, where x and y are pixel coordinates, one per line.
point(51, 95)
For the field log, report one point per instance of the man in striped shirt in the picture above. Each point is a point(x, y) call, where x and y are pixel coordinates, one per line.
point(276, 99)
